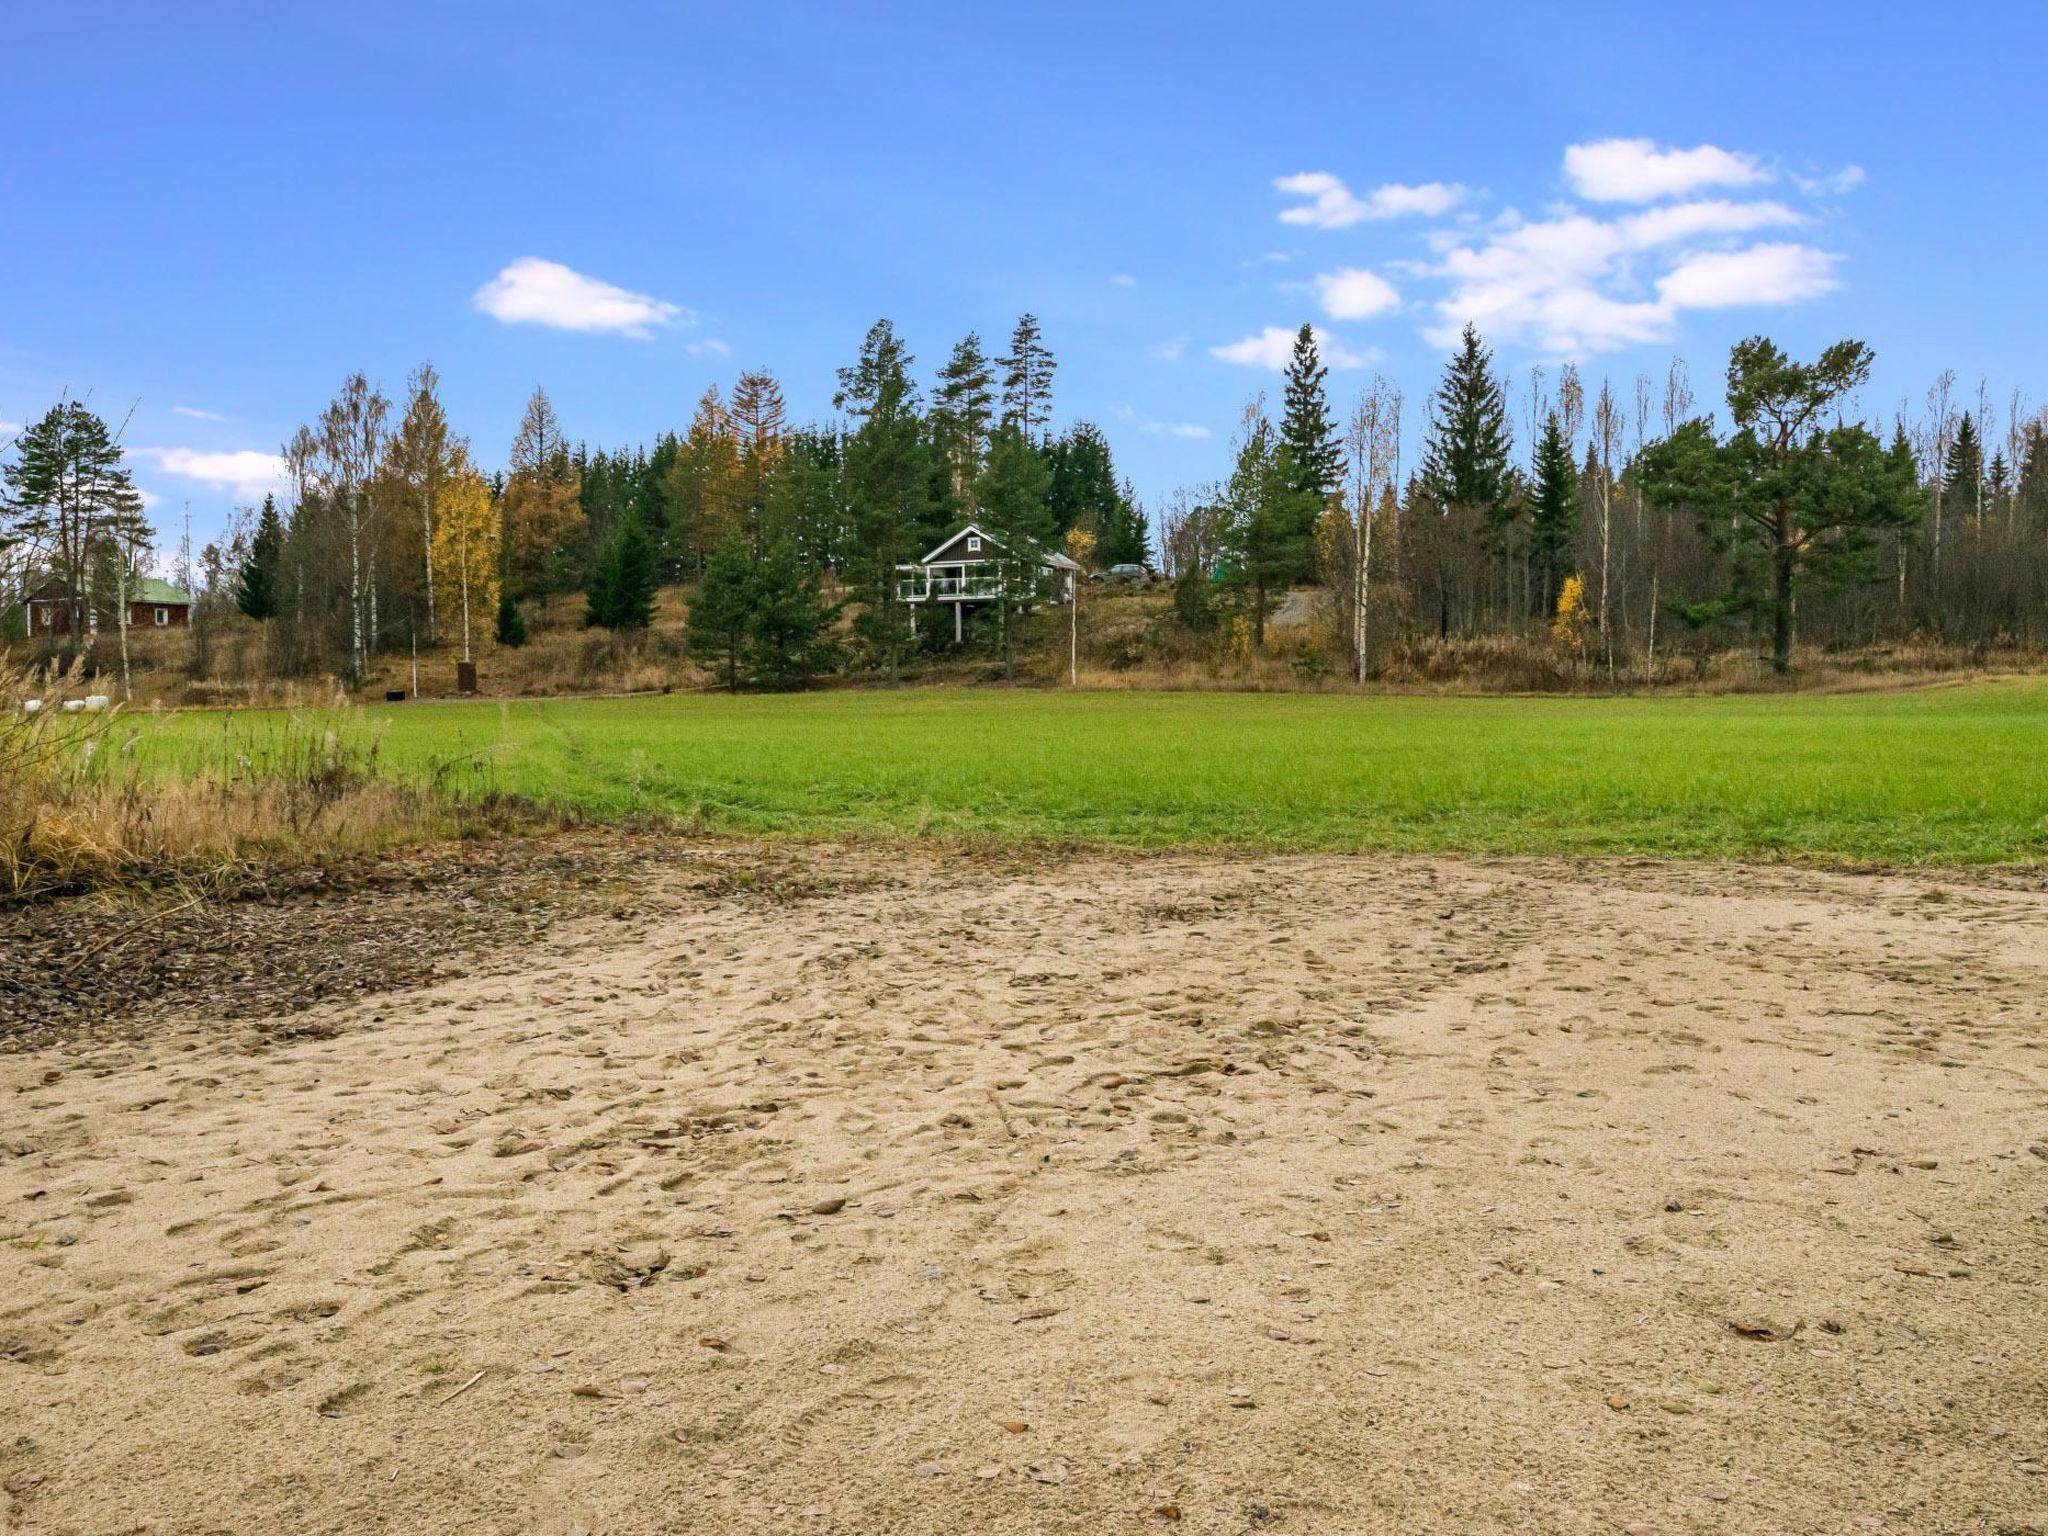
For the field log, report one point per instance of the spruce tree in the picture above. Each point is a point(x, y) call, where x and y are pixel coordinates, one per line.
point(621, 590)
point(511, 622)
point(721, 614)
point(1466, 463)
point(1018, 517)
point(788, 639)
point(257, 587)
point(1027, 379)
point(2030, 493)
point(1306, 426)
point(1962, 472)
point(1553, 512)
point(887, 481)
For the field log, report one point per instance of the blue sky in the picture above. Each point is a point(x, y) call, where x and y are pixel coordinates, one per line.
point(220, 210)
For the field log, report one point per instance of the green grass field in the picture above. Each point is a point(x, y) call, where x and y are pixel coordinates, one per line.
point(1949, 775)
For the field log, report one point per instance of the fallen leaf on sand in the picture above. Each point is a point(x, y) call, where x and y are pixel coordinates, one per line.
point(1015, 1426)
point(1758, 1328)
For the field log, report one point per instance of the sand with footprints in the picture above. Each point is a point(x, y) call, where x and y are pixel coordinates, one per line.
point(907, 1191)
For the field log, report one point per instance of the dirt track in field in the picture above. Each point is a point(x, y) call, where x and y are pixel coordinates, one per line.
point(864, 1191)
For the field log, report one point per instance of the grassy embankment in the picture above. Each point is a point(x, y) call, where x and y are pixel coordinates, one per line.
point(1952, 775)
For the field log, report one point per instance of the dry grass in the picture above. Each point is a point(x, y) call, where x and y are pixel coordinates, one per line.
point(77, 813)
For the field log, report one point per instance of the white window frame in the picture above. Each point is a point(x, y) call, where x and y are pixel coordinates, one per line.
point(163, 618)
point(974, 543)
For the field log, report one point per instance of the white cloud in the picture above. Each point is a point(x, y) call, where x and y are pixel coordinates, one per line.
point(710, 346)
point(1169, 351)
point(1762, 274)
point(1122, 280)
point(1689, 221)
point(1333, 205)
point(1641, 171)
point(1831, 183)
point(1574, 283)
point(535, 292)
point(1353, 293)
point(249, 474)
point(1271, 347)
point(196, 414)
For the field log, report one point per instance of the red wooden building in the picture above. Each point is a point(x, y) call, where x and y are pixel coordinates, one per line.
point(152, 604)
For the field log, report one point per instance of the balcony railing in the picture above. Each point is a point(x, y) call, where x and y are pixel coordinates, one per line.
point(914, 589)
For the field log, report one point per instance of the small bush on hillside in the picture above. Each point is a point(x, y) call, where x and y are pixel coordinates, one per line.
point(1194, 600)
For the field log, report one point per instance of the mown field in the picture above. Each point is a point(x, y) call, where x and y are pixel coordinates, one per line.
point(1952, 775)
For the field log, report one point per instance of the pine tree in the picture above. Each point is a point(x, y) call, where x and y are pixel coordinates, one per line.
point(621, 591)
point(1794, 498)
point(1027, 379)
point(1554, 512)
point(887, 476)
point(256, 586)
point(1267, 521)
point(721, 612)
point(1466, 464)
point(1306, 425)
point(962, 413)
point(67, 491)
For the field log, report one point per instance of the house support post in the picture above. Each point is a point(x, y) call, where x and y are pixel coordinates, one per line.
point(956, 621)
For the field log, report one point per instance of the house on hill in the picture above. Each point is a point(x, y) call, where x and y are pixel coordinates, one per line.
point(152, 604)
point(966, 569)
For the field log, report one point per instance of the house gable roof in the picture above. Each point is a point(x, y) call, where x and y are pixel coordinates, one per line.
point(944, 552)
point(940, 553)
point(146, 589)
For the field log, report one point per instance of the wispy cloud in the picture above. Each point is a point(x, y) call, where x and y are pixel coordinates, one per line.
point(1831, 183)
point(1641, 170)
point(1332, 205)
point(1169, 351)
point(1122, 280)
point(710, 346)
point(1192, 430)
point(532, 291)
point(1271, 347)
point(196, 414)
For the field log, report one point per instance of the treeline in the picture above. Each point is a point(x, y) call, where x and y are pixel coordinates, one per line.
point(389, 536)
point(1627, 524)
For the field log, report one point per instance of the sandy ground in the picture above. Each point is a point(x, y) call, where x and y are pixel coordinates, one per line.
point(910, 1192)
